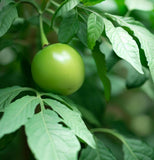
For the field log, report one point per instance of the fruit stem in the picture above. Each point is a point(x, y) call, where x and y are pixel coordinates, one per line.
point(44, 40)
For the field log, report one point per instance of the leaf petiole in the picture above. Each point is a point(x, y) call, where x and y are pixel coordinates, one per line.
point(55, 3)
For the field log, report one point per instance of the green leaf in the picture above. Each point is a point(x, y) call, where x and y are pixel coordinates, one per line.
point(100, 153)
point(82, 33)
point(89, 116)
point(63, 100)
point(7, 16)
point(91, 2)
point(144, 36)
point(133, 149)
point(68, 28)
point(145, 5)
point(50, 140)
point(123, 45)
point(8, 94)
point(137, 150)
point(73, 120)
point(67, 6)
point(135, 79)
point(95, 28)
point(102, 71)
point(17, 114)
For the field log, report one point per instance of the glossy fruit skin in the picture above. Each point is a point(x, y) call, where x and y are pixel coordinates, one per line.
point(58, 68)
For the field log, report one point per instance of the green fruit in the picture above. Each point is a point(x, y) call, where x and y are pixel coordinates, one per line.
point(58, 68)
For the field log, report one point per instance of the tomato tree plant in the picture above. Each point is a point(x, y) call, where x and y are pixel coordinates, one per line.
point(51, 48)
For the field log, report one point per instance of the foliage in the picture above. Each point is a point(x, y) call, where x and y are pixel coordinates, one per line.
point(110, 41)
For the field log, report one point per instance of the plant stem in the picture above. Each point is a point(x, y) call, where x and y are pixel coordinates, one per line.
point(42, 105)
point(41, 102)
point(44, 40)
point(50, 11)
point(55, 3)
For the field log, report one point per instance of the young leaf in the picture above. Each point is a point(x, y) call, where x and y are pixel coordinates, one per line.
point(50, 140)
point(100, 153)
point(72, 120)
point(68, 28)
point(123, 45)
point(7, 95)
point(67, 6)
point(137, 150)
point(145, 5)
point(144, 36)
point(91, 2)
point(95, 28)
point(7, 16)
point(102, 71)
point(17, 114)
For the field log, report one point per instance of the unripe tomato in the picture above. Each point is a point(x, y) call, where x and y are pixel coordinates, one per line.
point(58, 68)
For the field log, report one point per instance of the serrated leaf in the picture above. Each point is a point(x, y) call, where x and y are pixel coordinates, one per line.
point(95, 28)
point(145, 38)
point(137, 150)
point(50, 140)
point(102, 70)
point(100, 153)
point(67, 6)
point(91, 2)
point(123, 45)
point(7, 16)
point(68, 28)
point(8, 94)
point(17, 114)
point(73, 120)
point(145, 5)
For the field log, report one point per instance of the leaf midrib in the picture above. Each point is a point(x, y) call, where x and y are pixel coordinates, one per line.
point(45, 126)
